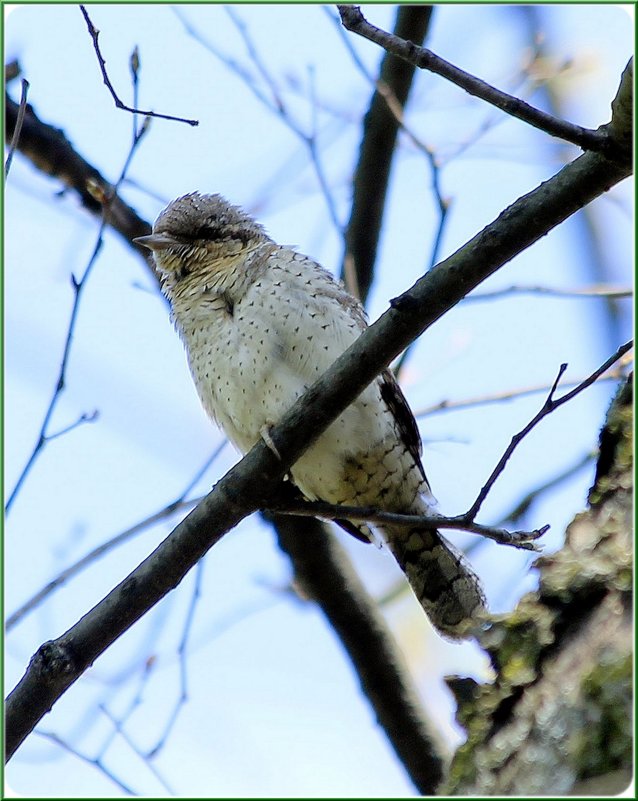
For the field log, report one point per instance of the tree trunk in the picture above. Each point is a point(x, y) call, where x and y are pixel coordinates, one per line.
point(557, 720)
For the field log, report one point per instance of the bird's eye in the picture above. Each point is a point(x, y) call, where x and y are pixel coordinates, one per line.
point(207, 232)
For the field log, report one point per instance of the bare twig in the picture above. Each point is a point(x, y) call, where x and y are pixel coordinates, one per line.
point(83, 418)
point(372, 173)
point(183, 662)
point(18, 126)
point(42, 438)
point(49, 150)
point(96, 762)
point(278, 105)
point(548, 407)
point(523, 505)
point(370, 514)
point(119, 539)
point(597, 141)
point(273, 102)
point(393, 103)
point(255, 479)
point(595, 291)
point(123, 734)
point(94, 33)
point(103, 195)
point(513, 394)
point(381, 125)
point(91, 556)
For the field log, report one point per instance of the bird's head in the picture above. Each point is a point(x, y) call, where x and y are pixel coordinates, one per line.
point(200, 234)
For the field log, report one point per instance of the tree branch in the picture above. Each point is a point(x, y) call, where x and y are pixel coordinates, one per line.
point(250, 484)
point(598, 141)
point(372, 173)
point(94, 33)
point(48, 149)
point(18, 127)
point(510, 394)
point(377, 660)
point(370, 514)
point(78, 288)
point(548, 407)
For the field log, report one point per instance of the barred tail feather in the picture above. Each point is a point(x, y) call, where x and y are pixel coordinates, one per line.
point(447, 589)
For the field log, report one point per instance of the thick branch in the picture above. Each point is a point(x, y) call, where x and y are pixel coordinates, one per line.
point(50, 151)
point(250, 483)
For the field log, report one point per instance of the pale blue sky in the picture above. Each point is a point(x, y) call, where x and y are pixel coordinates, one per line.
point(274, 708)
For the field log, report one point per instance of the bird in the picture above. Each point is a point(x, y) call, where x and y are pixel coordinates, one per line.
point(260, 323)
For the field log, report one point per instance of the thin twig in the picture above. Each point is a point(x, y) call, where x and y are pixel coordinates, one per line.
point(423, 58)
point(42, 438)
point(524, 504)
point(370, 514)
point(548, 407)
point(594, 291)
point(498, 397)
point(278, 106)
point(96, 762)
point(68, 573)
point(183, 662)
point(392, 102)
point(18, 126)
point(396, 108)
point(104, 195)
point(274, 103)
point(94, 33)
point(83, 418)
point(127, 739)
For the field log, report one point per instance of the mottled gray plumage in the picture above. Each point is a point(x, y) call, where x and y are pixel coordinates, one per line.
point(261, 323)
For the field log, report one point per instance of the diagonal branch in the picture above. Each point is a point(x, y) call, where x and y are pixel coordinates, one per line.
point(548, 407)
point(599, 141)
point(49, 150)
point(249, 485)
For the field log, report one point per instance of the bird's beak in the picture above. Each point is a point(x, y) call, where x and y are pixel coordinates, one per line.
point(156, 241)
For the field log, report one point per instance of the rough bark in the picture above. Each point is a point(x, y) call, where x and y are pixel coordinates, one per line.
point(557, 720)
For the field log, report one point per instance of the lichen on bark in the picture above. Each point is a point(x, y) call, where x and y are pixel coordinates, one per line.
point(557, 719)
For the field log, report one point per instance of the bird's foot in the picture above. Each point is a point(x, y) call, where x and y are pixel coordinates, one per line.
point(265, 435)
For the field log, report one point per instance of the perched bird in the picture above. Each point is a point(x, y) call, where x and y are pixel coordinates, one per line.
point(260, 323)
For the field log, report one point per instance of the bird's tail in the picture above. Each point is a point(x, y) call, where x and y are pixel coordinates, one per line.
point(446, 587)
